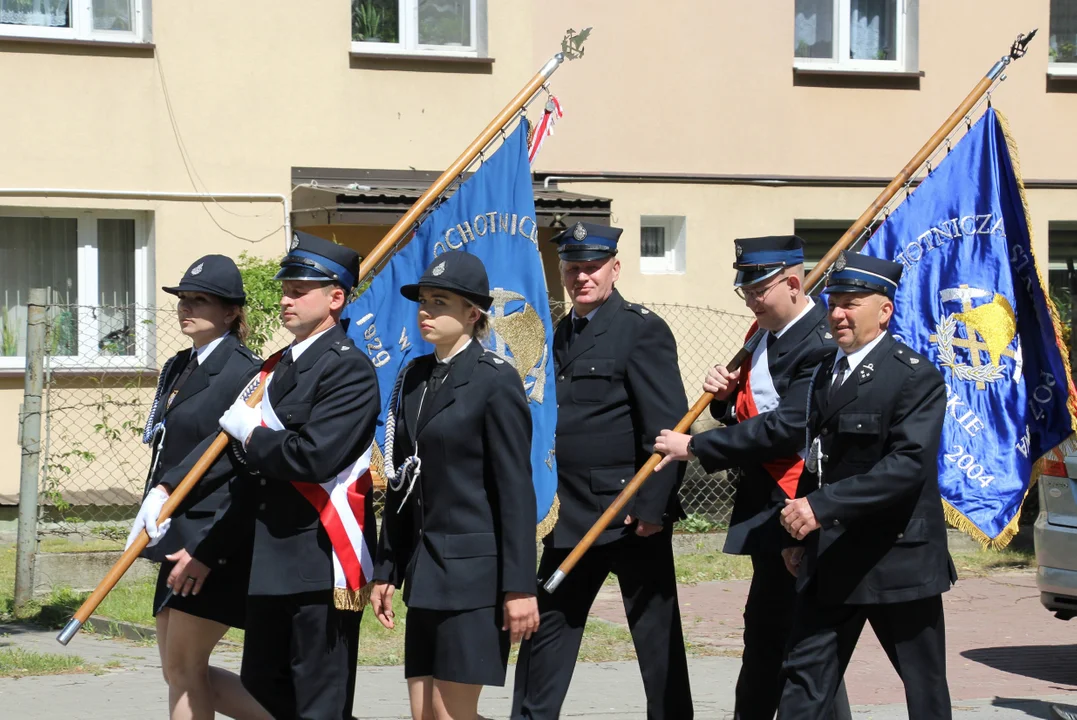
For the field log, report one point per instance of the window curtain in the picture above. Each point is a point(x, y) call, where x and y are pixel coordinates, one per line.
point(814, 29)
point(40, 13)
point(872, 29)
point(112, 15)
point(38, 252)
point(116, 286)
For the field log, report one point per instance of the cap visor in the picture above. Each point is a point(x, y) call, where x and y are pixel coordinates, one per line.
point(189, 286)
point(858, 289)
point(300, 272)
point(751, 277)
point(583, 255)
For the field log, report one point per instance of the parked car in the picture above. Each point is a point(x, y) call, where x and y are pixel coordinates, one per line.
point(1055, 536)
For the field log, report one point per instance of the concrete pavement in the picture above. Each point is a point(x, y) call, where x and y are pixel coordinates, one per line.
point(1007, 659)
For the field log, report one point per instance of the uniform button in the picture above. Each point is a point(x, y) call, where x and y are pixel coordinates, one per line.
point(560, 378)
point(622, 481)
point(262, 482)
point(289, 417)
point(901, 535)
point(825, 431)
point(836, 523)
point(592, 368)
point(222, 561)
point(858, 426)
point(262, 506)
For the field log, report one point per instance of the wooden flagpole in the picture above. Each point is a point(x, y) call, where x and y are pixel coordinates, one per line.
point(1017, 50)
point(387, 245)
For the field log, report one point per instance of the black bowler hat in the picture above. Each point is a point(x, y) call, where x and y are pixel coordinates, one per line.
point(759, 258)
point(459, 272)
point(856, 273)
point(213, 274)
point(586, 241)
point(314, 258)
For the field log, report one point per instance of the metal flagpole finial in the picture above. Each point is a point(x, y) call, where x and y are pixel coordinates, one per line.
point(572, 45)
point(1020, 45)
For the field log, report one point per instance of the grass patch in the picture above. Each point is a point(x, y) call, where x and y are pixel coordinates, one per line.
point(695, 568)
point(987, 562)
point(24, 663)
point(61, 545)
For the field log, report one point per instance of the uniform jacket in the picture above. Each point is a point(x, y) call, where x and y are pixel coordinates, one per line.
point(883, 536)
point(190, 424)
point(618, 385)
point(466, 535)
point(753, 525)
point(328, 402)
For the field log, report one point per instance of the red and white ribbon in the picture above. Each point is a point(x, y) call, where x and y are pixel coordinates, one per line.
point(545, 127)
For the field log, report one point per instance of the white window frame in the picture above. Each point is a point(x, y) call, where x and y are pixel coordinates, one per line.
point(82, 26)
point(89, 356)
point(674, 260)
point(408, 32)
point(842, 40)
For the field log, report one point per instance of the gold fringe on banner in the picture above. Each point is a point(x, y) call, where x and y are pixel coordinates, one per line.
point(543, 528)
point(953, 516)
point(354, 600)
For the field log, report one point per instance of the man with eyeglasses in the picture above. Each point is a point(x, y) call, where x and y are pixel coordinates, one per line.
point(762, 405)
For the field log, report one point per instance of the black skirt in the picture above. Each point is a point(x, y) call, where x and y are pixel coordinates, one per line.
point(466, 646)
point(223, 597)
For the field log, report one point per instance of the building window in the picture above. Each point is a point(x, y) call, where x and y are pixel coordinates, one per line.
point(1062, 273)
point(661, 244)
point(420, 27)
point(867, 35)
point(1062, 43)
point(819, 236)
point(101, 20)
point(94, 267)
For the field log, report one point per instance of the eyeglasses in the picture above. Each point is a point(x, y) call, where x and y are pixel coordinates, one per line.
point(752, 296)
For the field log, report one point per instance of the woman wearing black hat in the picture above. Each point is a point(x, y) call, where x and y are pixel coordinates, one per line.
point(459, 522)
point(202, 583)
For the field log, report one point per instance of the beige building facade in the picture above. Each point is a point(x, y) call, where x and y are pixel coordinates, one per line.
point(687, 123)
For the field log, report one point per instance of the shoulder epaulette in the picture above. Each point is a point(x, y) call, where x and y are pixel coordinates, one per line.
point(909, 357)
point(637, 308)
point(491, 358)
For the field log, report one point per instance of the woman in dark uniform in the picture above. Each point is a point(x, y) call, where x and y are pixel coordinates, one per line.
point(459, 523)
point(202, 583)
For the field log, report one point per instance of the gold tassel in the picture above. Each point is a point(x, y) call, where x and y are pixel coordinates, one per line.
point(543, 528)
point(354, 600)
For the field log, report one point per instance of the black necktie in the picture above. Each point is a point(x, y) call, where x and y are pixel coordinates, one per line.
point(771, 337)
point(191, 365)
point(839, 375)
point(578, 324)
point(437, 376)
point(283, 366)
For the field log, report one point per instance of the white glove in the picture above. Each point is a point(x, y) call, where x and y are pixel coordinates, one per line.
point(240, 420)
point(147, 518)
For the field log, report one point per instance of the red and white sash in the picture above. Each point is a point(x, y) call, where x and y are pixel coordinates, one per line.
point(757, 394)
point(341, 505)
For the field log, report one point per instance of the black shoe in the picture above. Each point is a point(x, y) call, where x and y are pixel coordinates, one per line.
point(1057, 713)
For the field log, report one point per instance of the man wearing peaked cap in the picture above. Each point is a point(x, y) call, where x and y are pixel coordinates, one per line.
point(618, 383)
point(313, 258)
point(867, 528)
point(762, 408)
point(314, 424)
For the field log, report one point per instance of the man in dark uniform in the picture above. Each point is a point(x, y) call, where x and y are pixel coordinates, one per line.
point(299, 653)
point(870, 509)
point(618, 384)
point(763, 405)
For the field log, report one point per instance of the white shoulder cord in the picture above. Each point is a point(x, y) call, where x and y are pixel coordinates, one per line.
point(411, 468)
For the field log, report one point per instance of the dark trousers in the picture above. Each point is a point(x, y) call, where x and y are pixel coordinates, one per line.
point(912, 634)
point(299, 656)
point(644, 568)
point(768, 622)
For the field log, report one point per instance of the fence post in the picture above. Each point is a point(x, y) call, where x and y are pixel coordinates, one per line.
point(30, 438)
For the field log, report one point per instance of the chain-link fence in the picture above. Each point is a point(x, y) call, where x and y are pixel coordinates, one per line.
point(102, 365)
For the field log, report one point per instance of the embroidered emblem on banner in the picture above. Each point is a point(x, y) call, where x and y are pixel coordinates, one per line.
point(989, 328)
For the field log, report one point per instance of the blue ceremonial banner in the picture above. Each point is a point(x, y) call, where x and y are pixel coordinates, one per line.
point(972, 300)
point(491, 215)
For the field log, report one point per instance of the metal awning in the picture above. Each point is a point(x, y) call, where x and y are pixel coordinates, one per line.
point(326, 196)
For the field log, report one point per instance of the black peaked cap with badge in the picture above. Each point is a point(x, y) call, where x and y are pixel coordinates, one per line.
point(458, 272)
point(759, 258)
point(857, 273)
point(587, 241)
point(313, 258)
point(213, 274)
